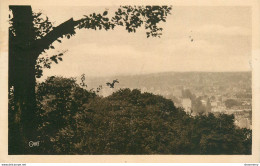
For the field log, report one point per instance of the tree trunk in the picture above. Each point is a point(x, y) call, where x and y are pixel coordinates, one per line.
point(24, 50)
point(22, 128)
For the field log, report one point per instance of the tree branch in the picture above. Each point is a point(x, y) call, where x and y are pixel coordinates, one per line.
point(132, 17)
point(68, 27)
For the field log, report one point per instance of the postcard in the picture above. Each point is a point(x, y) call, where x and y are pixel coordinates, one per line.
point(130, 81)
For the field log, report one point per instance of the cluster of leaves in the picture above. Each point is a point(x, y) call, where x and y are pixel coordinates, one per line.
point(59, 100)
point(131, 17)
point(45, 62)
point(95, 21)
point(83, 84)
point(219, 135)
point(76, 121)
point(42, 25)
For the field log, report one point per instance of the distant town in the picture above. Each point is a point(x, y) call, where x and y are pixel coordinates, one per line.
point(196, 92)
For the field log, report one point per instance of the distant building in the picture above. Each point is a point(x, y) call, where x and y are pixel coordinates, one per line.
point(186, 104)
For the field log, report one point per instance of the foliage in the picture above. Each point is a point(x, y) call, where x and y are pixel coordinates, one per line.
point(45, 62)
point(198, 107)
point(76, 121)
point(131, 17)
point(31, 34)
point(59, 100)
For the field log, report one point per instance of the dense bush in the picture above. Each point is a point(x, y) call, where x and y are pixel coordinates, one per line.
point(76, 121)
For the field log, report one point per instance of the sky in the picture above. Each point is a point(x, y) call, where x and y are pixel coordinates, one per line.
point(221, 42)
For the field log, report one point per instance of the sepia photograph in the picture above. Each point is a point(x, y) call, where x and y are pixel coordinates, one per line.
point(130, 79)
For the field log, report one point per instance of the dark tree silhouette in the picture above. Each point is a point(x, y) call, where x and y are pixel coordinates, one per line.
point(30, 36)
point(111, 85)
point(128, 122)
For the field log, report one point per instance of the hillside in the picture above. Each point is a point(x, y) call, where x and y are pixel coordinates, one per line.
point(73, 120)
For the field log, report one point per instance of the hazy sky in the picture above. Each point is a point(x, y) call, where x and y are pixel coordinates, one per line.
point(222, 42)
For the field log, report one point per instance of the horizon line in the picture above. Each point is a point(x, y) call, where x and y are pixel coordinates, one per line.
point(136, 74)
